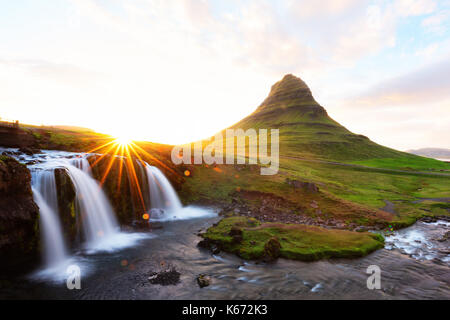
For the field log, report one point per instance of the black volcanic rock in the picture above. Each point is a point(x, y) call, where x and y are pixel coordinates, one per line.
point(19, 215)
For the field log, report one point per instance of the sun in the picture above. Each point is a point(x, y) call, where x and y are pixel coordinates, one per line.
point(123, 140)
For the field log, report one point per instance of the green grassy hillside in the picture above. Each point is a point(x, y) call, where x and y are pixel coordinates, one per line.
point(357, 184)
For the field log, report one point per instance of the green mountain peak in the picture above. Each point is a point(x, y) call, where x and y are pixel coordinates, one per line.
point(306, 129)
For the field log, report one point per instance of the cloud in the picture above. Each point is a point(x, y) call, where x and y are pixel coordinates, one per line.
point(407, 8)
point(435, 23)
point(427, 85)
point(192, 58)
point(59, 72)
point(312, 9)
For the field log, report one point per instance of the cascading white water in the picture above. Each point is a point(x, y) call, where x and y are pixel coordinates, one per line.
point(162, 194)
point(97, 216)
point(81, 163)
point(45, 196)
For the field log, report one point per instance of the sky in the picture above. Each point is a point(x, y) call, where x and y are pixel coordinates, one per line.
point(175, 71)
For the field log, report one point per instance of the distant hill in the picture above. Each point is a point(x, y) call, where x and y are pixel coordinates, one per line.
point(306, 129)
point(437, 153)
point(72, 128)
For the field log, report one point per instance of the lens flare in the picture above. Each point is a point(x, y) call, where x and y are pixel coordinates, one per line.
point(123, 141)
point(124, 148)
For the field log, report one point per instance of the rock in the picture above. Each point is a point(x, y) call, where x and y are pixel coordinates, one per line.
point(237, 238)
point(236, 234)
point(11, 153)
point(29, 151)
point(156, 213)
point(445, 237)
point(235, 231)
point(215, 249)
point(428, 219)
point(272, 249)
point(305, 186)
point(67, 206)
point(360, 229)
point(203, 280)
point(19, 215)
point(152, 277)
point(165, 278)
point(204, 243)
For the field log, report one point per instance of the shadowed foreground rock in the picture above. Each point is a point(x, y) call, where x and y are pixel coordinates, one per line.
point(19, 215)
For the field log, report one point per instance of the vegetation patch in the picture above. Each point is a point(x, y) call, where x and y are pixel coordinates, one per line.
point(250, 239)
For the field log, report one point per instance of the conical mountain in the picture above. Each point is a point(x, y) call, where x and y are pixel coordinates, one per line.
point(306, 130)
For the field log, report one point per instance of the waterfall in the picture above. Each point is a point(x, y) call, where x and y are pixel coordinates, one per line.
point(81, 163)
point(45, 196)
point(162, 194)
point(96, 214)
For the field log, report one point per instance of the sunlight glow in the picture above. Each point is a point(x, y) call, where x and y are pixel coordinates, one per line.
point(119, 147)
point(123, 141)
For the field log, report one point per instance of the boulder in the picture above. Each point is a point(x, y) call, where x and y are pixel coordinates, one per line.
point(19, 215)
point(236, 234)
point(29, 151)
point(272, 249)
point(203, 280)
point(305, 186)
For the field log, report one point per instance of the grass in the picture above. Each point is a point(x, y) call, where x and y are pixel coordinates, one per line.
point(62, 139)
point(349, 193)
point(416, 163)
point(299, 242)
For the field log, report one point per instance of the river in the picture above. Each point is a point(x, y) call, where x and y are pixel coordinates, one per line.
point(414, 265)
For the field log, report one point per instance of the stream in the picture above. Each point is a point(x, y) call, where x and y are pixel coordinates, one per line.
point(409, 270)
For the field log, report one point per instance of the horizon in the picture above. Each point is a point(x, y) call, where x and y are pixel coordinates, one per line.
point(116, 67)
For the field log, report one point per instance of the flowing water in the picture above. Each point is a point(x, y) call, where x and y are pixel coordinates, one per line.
point(162, 194)
point(55, 251)
point(414, 264)
point(123, 274)
point(99, 222)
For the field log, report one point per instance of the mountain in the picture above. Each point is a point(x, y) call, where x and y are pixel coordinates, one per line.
point(438, 153)
point(306, 129)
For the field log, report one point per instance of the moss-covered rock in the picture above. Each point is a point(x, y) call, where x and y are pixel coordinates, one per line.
point(272, 249)
point(292, 241)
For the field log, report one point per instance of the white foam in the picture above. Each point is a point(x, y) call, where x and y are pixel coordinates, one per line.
point(58, 273)
point(116, 241)
point(186, 213)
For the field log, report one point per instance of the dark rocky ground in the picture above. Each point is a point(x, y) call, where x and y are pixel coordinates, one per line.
point(19, 215)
